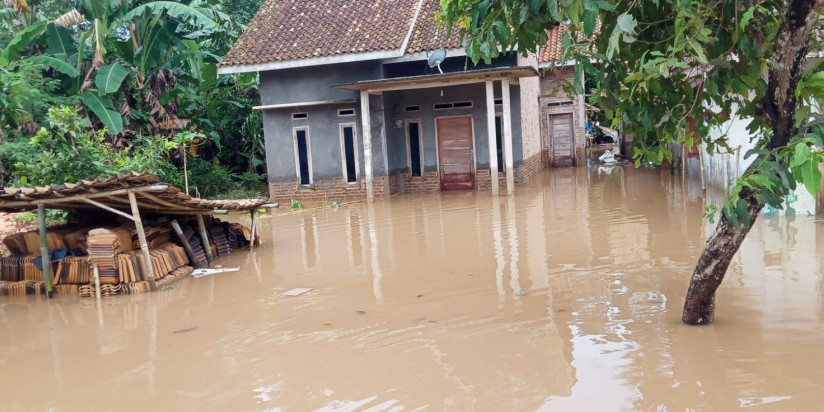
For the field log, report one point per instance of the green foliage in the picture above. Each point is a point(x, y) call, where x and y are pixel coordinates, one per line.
point(296, 205)
point(132, 68)
point(666, 65)
point(209, 178)
point(68, 152)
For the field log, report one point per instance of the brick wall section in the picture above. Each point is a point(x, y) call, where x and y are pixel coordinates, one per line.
point(532, 168)
point(327, 190)
point(484, 183)
point(429, 182)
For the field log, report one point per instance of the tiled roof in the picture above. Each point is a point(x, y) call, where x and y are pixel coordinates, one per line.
point(285, 30)
point(427, 36)
point(554, 47)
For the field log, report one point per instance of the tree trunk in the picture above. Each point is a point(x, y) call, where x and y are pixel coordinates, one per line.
point(778, 107)
point(699, 307)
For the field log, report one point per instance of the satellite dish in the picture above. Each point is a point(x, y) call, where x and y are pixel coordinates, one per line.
point(436, 58)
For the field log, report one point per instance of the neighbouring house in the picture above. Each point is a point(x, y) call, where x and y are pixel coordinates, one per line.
point(351, 108)
point(563, 116)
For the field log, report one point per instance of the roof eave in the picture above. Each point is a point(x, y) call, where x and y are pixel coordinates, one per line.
point(314, 61)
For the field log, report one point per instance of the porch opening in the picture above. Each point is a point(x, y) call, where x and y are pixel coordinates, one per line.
point(414, 140)
point(350, 163)
point(302, 149)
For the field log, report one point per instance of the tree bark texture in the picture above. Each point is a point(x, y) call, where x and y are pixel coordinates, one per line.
point(778, 107)
point(699, 306)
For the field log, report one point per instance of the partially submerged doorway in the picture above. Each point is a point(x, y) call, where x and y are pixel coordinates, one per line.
point(455, 152)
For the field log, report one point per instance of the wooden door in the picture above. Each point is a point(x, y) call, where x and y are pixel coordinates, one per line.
point(455, 153)
point(561, 147)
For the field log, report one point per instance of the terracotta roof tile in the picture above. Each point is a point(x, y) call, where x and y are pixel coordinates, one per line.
point(427, 36)
point(285, 30)
point(554, 47)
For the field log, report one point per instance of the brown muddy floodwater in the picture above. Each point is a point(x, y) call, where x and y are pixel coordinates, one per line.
point(565, 297)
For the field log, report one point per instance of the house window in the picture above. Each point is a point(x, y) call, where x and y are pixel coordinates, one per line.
point(499, 141)
point(349, 152)
point(346, 112)
point(298, 116)
point(303, 159)
point(454, 105)
point(413, 134)
point(499, 102)
point(411, 108)
point(555, 104)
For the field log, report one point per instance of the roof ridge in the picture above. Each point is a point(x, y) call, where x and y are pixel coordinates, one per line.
point(411, 28)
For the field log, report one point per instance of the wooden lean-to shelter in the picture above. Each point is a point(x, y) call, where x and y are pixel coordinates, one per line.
point(128, 196)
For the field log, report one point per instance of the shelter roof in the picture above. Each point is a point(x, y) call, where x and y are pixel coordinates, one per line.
point(152, 196)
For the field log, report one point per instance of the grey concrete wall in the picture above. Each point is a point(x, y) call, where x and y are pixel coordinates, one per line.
point(426, 98)
point(307, 84)
point(324, 140)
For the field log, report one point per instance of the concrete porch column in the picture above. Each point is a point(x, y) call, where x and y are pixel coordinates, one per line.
point(493, 144)
point(366, 131)
point(507, 136)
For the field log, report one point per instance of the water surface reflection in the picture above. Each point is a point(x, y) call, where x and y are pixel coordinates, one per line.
point(566, 296)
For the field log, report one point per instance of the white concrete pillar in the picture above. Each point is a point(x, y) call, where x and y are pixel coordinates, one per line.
point(507, 136)
point(493, 144)
point(366, 131)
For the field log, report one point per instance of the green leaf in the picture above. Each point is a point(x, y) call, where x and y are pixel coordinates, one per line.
point(699, 53)
point(627, 23)
point(61, 42)
point(20, 42)
point(177, 10)
point(110, 77)
point(100, 106)
point(57, 64)
point(811, 175)
point(741, 209)
point(746, 17)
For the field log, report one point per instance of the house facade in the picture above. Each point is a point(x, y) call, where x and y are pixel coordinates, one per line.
point(352, 109)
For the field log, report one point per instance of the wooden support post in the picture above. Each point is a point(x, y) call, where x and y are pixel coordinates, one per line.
point(44, 249)
point(186, 246)
point(144, 246)
point(96, 273)
point(507, 135)
point(253, 235)
point(493, 138)
point(204, 238)
point(366, 131)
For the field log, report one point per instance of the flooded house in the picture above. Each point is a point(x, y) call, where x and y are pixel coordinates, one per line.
point(370, 98)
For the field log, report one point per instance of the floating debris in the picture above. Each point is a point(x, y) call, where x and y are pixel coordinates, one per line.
point(296, 292)
point(199, 273)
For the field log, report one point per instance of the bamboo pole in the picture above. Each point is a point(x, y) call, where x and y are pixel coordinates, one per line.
point(184, 241)
point(201, 228)
point(144, 246)
point(44, 249)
